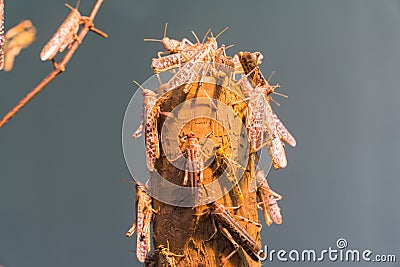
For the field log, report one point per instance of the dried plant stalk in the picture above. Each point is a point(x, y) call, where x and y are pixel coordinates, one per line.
point(183, 228)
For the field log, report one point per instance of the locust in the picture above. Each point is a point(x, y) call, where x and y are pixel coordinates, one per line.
point(151, 113)
point(172, 61)
point(233, 231)
point(17, 38)
point(179, 52)
point(191, 69)
point(2, 37)
point(225, 65)
point(194, 164)
point(64, 35)
point(262, 89)
point(223, 159)
point(256, 101)
point(168, 258)
point(144, 214)
point(268, 200)
point(255, 113)
point(250, 62)
point(171, 45)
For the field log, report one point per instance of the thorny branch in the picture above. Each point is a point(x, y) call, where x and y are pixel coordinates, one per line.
point(87, 26)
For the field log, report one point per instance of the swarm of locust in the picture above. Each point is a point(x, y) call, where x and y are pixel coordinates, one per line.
point(184, 58)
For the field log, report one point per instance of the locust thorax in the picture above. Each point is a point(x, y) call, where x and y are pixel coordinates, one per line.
point(149, 97)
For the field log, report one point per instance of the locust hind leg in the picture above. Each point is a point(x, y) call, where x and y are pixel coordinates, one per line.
point(139, 132)
point(215, 229)
point(226, 233)
point(131, 230)
point(247, 220)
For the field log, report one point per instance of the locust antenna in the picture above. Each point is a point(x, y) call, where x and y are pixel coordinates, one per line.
point(270, 76)
point(271, 89)
point(195, 36)
point(72, 8)
point(157, 40)
point(165, 29)
point(219, 34)
point(282, 95)
point(151, 40)
point(276, 102)
point(138, 84)
point(204, 38)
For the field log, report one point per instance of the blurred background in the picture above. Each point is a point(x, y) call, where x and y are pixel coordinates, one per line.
point(62, 199)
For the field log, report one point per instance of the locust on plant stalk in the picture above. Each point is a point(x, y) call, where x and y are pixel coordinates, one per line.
point(151, 113)
point(268, 200)
point(229, 226)
point(144, 214)
point(168, 258)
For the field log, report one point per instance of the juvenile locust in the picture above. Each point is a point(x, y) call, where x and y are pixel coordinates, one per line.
point(234, 232)
point(151, 113)
point(194, 165)
point(64, 36)
point(191, 69)
point(268, 200)
point(168, 258)
point(250, 62)
point(275, 147)
point(165, 63)
point(255, 113)
point(144, 214)
point(256, 103)
point(171, 45)
point(223, 160)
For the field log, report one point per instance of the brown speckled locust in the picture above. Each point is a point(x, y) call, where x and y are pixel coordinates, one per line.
point(151, 112)
point(261, 114)
point(167, 257)
point(194, 165)
point(171, 45)
point(234, 232)
point(268, 200)
point(64, 35)
point(144, 214)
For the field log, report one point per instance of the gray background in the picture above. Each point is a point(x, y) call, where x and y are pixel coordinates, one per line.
point(62, 199)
